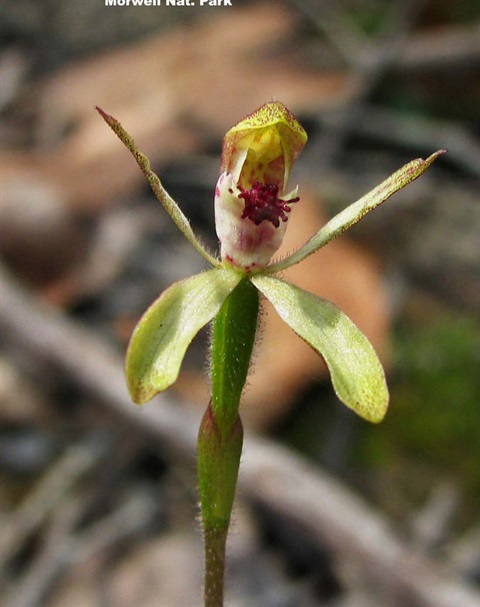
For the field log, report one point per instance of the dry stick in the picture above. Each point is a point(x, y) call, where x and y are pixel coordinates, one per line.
point(369, 58)
point(45, 497)
point(421, 133)
point(51, 559)
point(330, 515)
point(463, 553)
point(450, 46)
point(65, 548)
point(286, 484)
point(91, 363)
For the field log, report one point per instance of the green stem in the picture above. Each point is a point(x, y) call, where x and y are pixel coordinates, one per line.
point(233, 336)
point(220, 437)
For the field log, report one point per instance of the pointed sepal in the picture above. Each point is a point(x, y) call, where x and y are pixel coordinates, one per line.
point(357, 374)
point(353, 213)
point(160, 192)
point(165, 331)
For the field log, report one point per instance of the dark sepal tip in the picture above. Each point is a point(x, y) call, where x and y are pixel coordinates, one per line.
point(103, 114)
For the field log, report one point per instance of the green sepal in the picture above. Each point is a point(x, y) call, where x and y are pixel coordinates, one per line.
point(357, 374)
point(165, 331)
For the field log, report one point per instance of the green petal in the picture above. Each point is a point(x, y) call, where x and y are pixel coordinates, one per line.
point(349, 216)
point(357, 374)
point(165, 331)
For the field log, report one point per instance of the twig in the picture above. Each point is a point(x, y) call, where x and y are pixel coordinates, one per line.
point(282, 481)
point(448, 46)
point(92, 364)
point(430, 525)
point(65, 548)
point(421, 134)
point(50, 560)
point(336, 25)
point(368, 58)
point(464, 554)
point(46, 496)
point(333, 516)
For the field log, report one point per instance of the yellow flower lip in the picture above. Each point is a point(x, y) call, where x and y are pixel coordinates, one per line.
point(263, 147)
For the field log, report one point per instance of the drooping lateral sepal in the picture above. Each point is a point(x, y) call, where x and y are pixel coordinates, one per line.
point(165, 331)
point(357, 374)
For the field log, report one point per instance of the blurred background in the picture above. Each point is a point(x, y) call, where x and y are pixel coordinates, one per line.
point(97, 497)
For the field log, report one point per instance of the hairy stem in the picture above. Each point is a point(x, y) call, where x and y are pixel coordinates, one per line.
point(215, 541)
point(233, 336)
point(220, 437)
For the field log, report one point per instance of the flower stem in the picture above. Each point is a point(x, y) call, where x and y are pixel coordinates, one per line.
point(220, 436)
point(215, 541)
point(233, 336)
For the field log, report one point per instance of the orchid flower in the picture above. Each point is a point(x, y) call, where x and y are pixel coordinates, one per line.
point(252, 208)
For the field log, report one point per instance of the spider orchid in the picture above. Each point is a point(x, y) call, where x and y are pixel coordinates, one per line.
point(252, 209)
